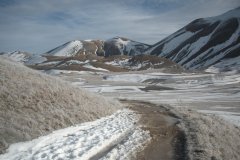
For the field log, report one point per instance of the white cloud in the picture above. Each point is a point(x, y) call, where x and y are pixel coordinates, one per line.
point(38, 26)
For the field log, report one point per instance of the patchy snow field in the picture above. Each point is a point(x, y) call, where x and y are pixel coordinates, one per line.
point(112, 137)
point(202, 91)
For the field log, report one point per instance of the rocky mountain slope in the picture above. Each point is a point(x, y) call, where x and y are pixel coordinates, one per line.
point(203, 42)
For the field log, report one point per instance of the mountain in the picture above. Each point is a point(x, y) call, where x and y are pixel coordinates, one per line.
point(18, 56)
point(114, 46)
point(226, 65)
point(203, 42)
point(77, 47)
point(24, 57)
point(124, 46)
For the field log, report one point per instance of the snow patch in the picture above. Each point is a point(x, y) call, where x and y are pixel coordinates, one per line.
point(59, 72)
point(112, 137)
point(95, 68)
point(128, 77)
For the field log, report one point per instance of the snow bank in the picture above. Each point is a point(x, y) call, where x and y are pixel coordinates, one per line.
point(113, 137)
point(33, 104)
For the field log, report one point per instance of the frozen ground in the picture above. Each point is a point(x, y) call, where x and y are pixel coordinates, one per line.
point(112, 137)
point(209, 92)
point(119, 136)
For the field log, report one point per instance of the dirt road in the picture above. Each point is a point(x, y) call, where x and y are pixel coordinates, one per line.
point(168, 141)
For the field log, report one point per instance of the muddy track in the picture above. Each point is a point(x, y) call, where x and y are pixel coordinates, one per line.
point(168, 140)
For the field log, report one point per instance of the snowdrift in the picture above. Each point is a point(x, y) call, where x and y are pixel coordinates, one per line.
point(34, 104)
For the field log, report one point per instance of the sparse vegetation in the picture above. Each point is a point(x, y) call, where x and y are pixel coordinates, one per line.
point(34, 104)
point(209, 137)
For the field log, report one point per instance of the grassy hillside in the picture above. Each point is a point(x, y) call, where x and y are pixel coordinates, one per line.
point(33, 104)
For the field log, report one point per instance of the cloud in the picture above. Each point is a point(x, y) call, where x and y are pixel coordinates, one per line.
point(38, 26)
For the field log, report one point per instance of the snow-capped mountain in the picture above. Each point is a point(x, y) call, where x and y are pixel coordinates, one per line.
point(124, 46)
point(68, 49)
point(114, 46)
point(24, 57)
point(203, 42)
point(77, 47)
point(18, 56)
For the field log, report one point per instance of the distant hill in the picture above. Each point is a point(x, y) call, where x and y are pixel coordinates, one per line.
point(24, 57)
point(19, 56)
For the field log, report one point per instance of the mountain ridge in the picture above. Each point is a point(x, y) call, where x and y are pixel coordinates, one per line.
point(203, 42)
point(114, 46)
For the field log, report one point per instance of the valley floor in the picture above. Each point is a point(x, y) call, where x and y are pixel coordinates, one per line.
point(210, 93)
point(215, 95)
point(161, 122)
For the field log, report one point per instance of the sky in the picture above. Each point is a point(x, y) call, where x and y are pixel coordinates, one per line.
point(40, 25)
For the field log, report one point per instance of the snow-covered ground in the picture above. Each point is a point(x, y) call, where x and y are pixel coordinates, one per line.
point(94, 68)
point(118, 136)
point(118, 63)
point(112, 137)
point(202, 91)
